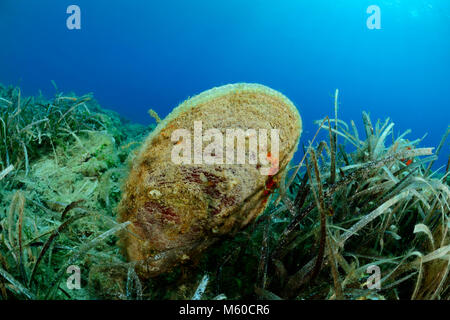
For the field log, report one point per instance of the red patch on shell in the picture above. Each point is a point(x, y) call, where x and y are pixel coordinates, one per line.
point(209, 186)
point(270, 186)
point(156, 211)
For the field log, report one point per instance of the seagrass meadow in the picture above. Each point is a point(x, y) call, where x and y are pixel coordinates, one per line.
point(358, 200)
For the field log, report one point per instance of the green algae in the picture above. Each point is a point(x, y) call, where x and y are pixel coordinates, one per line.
point(337, 214)
point(68, 192)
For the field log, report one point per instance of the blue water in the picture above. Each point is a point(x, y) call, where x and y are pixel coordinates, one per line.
point(138, 54)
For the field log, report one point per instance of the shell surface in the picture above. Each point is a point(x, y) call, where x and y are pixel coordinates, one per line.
point(178, 209)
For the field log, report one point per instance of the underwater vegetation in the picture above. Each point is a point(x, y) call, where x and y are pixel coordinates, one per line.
point(354, 202)
point(57, 189)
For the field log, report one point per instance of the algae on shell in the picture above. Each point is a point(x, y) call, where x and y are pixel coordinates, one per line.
point(178, 210)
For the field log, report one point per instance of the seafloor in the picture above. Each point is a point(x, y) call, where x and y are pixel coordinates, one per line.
point(327, 230)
